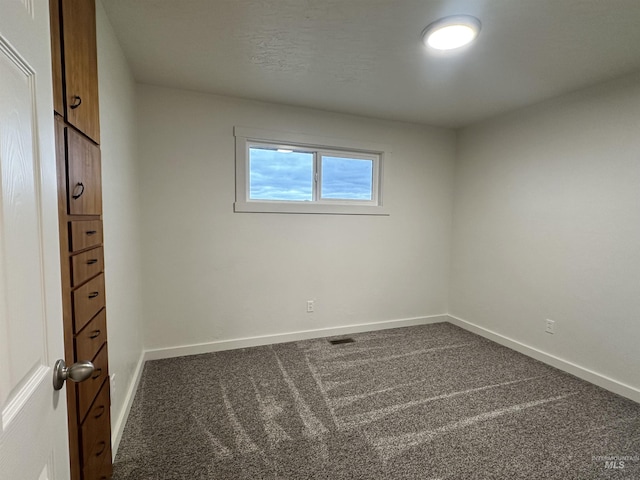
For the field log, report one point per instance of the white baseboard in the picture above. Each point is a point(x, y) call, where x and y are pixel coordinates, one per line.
point(287, 337)
point(116, 434)
point(590, 376)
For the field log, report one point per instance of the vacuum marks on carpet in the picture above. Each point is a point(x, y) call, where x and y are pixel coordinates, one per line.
point(422, 402)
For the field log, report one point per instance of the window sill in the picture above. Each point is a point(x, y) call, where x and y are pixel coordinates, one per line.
point(305, 208)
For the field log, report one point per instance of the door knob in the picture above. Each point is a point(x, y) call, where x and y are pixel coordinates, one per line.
point(78, 372)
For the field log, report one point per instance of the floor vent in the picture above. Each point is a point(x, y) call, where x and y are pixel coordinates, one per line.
point(341, 341)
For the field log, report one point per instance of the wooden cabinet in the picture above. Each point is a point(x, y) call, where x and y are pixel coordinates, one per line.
point(80, 66)
point(84, 195)
point(78, 162)
point(75, 64)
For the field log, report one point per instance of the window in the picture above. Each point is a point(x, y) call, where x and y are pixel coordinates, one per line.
point(288, 173)
point(293, 174)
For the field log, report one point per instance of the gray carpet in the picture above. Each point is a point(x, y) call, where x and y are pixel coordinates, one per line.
point(427, 402)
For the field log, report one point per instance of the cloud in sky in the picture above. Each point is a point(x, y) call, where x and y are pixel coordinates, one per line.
point(289, 176)
point(280, 176)
point(347, 178)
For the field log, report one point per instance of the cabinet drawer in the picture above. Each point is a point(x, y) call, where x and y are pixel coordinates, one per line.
point(95, 430)
point(91, 338)
point(96, 471)
point(84, 234)
point(87, 301)
point(83, 176)
point(88, 389)
point(86, 265)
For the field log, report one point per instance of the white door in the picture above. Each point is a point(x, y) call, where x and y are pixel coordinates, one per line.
point(33, 427)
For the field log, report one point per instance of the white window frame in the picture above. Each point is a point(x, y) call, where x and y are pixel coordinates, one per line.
point(248, 137)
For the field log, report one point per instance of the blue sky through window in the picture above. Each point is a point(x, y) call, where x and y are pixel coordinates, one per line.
point(280, 176)
point(347, 178)
point(285, 176)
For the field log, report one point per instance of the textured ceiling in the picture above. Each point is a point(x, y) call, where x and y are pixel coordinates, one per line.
point(365, 56)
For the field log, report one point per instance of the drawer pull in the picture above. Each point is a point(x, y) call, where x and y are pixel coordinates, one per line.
point(104, 447)
point(93, 261)
point(76, 102)
point(91, 232)
point(95, 334)
point(97, 372)
point(94, 294)
point(76, 196)
point(102, 410)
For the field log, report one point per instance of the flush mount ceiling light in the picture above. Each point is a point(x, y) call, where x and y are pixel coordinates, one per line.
point(450, 33)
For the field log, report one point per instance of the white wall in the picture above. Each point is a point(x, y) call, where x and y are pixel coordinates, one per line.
point(214, 275)
point(121, 203)
point(547, 225)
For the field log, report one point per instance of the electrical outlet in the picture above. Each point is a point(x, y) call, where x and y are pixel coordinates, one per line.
point(310, 306)
point(550, 327)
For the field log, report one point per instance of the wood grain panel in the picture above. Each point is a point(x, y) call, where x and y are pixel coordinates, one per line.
point(91, 338)
point(88, 300)
point(84, 177)
point(86, 265)
point(96, 470)
point(88, 389)
point(84, 234)
point(94, 431)
point(81, 66)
